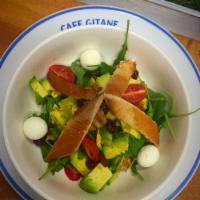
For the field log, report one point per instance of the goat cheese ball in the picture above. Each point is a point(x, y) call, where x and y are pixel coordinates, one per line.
point(90, 58)
point(35, 128)
point(148, 156)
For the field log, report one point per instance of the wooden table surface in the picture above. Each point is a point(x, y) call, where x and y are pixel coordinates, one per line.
point(16, 15)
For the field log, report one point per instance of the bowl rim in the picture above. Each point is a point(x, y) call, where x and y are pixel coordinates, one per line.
point(29, 29)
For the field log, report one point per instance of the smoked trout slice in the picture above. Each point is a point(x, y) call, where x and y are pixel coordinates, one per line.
point(120, 78)
point(134, 117)
point(75, 130)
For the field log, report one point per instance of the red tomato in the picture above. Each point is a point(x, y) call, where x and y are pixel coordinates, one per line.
point(134, 93)
point(90, 148)
point(72, 173)
point(64, 72)
point(135, 87)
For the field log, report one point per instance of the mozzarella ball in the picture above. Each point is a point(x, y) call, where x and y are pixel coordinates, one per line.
point(148, 156)
point(35, 128)
point(90, 58)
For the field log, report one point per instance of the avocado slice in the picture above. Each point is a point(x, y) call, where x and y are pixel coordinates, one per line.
point(131, 131)
point(102, 80)
point(60, 117)
point(61, 114)
point(37, 87)
point(106, 136)
point(98, 140)
point(79, 162)
point(68, 104)
point(96, 179)
point(119, 145)
point(46, 84)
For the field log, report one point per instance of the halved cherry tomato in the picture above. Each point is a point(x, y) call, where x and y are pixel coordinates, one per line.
point(90, 147)
point(134, 93)
point(134, 87)
point(72, 173)
point(70, 89)
point(64, 72)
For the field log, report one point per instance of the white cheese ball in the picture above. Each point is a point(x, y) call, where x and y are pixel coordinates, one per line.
point(90, 58)
point(35, 128)
point(148, 156)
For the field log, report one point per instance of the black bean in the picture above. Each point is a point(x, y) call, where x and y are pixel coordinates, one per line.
point(104, 107)
point(40, 142)
point(103, 160)
point(135, 74)
point(80, 102)
point(111, 126)
point(90, 164)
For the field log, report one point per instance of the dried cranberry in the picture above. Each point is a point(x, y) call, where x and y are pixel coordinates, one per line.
point(111, 126)
point(135, 74)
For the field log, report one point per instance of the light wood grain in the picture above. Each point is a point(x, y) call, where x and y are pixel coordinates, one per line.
point(16, 15)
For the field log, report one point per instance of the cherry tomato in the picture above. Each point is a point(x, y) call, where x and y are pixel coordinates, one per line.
point(64, 72)
point(90, 147)
point(72, 173)
point(134, 93)
point(135, 87)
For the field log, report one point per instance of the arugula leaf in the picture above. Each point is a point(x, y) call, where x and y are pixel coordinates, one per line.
point(122, 52)
point(160, 109)
point(45, 148)
point(135, 170)
point(81, 78)
point(39, 100)
point(135, 145)
point(184, 114)
point(45, 117)
point(114, 163)
point(51, 102)
point(92, 134)
point(55, 166)
point(55, 132)
point(81, 155)
point(171, 130)
point(160, 105)
point(103, 68)
point(52, 135)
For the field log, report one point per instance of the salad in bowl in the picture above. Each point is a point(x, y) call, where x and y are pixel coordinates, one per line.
point(97, 120)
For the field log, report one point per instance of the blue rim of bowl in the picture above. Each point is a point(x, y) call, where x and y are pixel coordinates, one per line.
point(195, 165)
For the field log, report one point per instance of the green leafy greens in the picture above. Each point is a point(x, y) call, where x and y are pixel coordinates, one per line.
point(135, 145)
point(103, 68)
point(122, 52)
point(159, 109)
point(54, 165)
point(81, 76)
point(135, 170)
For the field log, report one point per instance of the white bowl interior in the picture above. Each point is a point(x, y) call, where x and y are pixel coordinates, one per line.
point(154, 68)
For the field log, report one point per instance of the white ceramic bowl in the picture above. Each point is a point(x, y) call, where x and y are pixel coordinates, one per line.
point(160, 71)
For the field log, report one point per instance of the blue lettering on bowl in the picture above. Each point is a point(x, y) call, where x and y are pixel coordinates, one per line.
point(88, 22)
